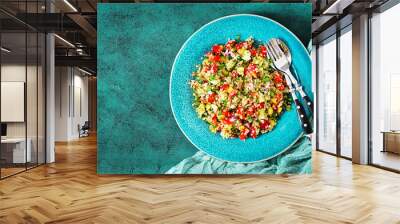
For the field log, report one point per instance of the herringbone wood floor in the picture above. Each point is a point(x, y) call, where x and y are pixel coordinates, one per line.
point(69, 191)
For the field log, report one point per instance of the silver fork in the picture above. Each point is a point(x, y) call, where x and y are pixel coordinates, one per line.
point(295, 79)
point(281, 63)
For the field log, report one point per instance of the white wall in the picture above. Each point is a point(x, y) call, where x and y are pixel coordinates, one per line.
point(71, 102)
point(62, 82)
point(80, 110)
point(16, 72)
point(9, 73)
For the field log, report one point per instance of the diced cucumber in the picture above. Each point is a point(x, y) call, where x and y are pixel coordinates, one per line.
point(240, 70)
point(201, 110)
point(246, 55)
point(230, 64)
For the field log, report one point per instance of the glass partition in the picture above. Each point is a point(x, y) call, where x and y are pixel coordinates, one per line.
point(22, 77)
point(13, 94)
point(41, 96)
point(32, 95)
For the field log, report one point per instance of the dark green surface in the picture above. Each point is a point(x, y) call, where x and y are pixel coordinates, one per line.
point(137, 44)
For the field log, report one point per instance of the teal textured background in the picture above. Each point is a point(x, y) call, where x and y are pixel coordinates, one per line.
point(137, 44)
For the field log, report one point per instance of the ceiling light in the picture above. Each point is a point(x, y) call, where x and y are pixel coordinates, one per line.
point(5, 50)
point(338, 6)
point(84, 71)
point(70, 5)
point(65, 41)
point(79, 51)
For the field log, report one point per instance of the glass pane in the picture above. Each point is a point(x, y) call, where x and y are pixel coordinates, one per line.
point(13, 86)
point(22, 90)
point(385, 84)
point(31, 100)
point(41, 98)
point(345, 93)
point(327, 96)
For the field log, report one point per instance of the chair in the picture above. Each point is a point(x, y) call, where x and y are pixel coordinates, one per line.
point(84, 130)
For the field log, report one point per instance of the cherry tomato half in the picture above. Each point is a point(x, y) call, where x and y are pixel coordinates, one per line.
point(263, 51)
point(211, 98)
point(217, 49)
point(278, 78)
point(253, 132)
point(264, 124)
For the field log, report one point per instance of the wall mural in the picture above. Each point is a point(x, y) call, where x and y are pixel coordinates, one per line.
point(204, 88)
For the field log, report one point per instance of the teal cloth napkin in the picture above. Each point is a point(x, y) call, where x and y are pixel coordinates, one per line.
point(296, 160)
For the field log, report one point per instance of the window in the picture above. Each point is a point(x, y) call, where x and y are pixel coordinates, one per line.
point(327, 95)
point(385, 89)
point(394, 111)
point(346, 92)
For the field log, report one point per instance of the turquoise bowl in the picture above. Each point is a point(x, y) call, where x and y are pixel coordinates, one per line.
point(266, 146)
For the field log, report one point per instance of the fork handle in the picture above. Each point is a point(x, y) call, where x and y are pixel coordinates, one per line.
point(309, 103)
point(305, 122)
point(299, 89)
point(306, 99)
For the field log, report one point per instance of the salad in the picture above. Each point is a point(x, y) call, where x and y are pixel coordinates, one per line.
point(237, 91)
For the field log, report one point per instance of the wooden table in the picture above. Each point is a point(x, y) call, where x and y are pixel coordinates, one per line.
point(14, 150)
point(391, 141)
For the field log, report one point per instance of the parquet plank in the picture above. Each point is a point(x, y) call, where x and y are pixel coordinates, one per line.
point(70, 191)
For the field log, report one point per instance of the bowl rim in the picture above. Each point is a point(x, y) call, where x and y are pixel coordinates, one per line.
point(173, 68)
